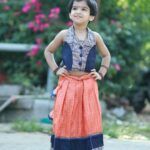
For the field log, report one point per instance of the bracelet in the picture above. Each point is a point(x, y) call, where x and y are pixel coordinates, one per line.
point(55, 71)
point(102, 76)
point(104, 66)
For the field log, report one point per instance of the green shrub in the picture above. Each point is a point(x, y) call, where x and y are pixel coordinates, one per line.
point(37, 22)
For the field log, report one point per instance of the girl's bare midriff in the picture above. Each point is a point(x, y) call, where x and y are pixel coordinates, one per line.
point(77, 73)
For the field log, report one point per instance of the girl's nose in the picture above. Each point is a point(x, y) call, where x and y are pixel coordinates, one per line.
point(78, 11)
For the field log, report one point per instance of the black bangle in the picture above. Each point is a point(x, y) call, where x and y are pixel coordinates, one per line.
point(55, 71)
point(102, 76)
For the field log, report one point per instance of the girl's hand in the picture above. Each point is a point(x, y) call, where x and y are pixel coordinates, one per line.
point(95, 75)
point(62, 71)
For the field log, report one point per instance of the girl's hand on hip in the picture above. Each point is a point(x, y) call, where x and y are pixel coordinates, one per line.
point(62, 71)
point(95, 75)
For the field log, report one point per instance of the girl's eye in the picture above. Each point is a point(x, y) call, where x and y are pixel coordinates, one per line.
point(84, 9)
point(74, 8)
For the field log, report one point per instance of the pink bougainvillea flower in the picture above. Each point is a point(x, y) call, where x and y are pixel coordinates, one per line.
point(117, 67)
point(39, 63)
point(69, 23)
point(34, 1)
point(33, 52)
point(38, 41)
point(35, 28)
point(55, 10)
point(38, 18)
point(26, 7)
point(37, 7)
point(53, 16)
point(45, 25)
point(41, 27)
point(6, 8)
point(31, 25)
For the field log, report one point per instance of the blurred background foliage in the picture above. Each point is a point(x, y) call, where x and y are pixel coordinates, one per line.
point(123, 24)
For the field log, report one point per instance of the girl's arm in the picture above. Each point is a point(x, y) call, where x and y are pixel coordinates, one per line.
point(51, 48)
point(104, 52)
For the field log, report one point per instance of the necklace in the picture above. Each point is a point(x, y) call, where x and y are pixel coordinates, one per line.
point(81, 42)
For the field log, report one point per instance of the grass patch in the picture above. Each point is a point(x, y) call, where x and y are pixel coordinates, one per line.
point(31, 126)
point(127, 130)
point(111, 128)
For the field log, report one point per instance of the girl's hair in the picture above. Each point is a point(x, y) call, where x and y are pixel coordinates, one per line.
point(91, 3)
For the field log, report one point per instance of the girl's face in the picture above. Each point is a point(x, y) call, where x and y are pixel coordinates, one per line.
point(80, 13)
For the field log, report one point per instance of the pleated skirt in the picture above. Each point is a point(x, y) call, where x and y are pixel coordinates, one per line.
point(76, 115)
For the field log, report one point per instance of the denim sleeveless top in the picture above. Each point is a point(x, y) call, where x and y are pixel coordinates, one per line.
point(79, 55)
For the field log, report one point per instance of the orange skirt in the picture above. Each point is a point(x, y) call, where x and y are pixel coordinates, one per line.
point(77, 118)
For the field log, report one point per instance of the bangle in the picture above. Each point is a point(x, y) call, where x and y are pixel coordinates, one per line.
point(55, 71)
point(104, 66)
point(102, 76)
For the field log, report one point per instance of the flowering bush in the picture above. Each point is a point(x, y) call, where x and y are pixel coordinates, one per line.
point(38, 21)
point(32, 22)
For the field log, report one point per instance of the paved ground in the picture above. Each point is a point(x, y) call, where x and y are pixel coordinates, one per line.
point(39, 141)
point(112, 144)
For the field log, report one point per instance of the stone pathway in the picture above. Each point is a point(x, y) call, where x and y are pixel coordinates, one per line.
point(115, 144)
point(39, 141)
point(24, 141)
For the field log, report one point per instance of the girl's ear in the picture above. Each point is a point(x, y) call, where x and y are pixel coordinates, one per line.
point(91, 18)
point(69, 15)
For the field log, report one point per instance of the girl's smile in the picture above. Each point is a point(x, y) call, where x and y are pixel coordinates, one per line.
point(80, 12)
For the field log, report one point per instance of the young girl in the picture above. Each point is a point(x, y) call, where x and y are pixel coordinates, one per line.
point(76, 115)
